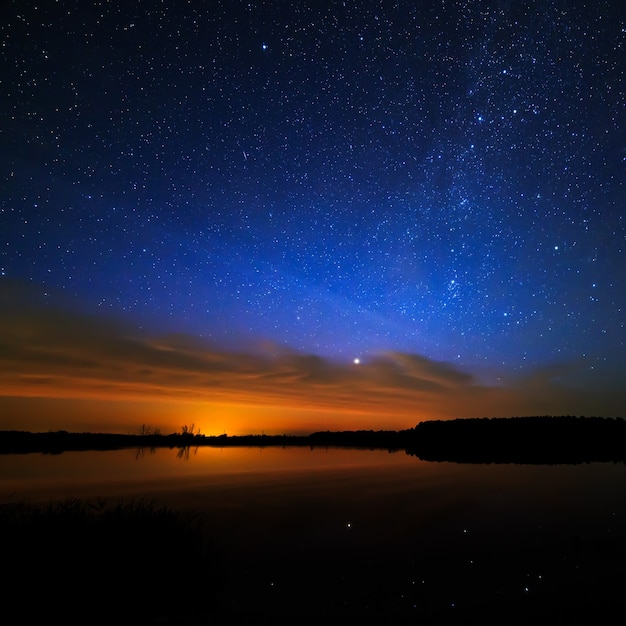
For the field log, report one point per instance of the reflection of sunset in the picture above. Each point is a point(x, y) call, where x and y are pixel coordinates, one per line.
point(137, 472)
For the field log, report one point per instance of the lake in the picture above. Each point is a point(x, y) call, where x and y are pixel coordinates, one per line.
point(351, 532)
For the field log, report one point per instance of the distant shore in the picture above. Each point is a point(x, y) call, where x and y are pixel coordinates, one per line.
point(56, 442)
point(534, 439)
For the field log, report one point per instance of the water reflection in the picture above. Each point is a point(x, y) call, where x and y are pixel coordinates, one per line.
point(389, 532)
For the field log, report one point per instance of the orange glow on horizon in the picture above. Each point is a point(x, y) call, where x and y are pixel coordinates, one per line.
point(62, 371)
point(127, 416)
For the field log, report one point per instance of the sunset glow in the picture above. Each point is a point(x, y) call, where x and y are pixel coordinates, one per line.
point(70, 371)
point(284, 217)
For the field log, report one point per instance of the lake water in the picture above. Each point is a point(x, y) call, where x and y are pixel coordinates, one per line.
point(345, 531)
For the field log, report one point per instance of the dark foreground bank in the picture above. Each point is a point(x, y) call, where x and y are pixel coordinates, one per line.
point(130, 562)
point(134, 563)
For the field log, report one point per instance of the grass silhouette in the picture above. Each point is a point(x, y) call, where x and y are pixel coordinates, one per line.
point(92, 562)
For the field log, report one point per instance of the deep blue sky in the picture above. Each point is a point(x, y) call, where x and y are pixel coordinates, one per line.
point(342, 178)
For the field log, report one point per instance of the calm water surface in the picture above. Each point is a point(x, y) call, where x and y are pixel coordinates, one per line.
point(387, 529)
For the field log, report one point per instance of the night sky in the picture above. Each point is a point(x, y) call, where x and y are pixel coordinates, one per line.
point(196, 192)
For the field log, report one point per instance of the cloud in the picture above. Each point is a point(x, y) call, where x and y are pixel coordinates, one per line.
point(49, 351)
point(417, 370)
point(55, 351)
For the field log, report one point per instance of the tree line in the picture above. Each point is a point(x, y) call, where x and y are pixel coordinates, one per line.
point(533, 439)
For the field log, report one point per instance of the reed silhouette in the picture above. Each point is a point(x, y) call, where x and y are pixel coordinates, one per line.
point(95, 561)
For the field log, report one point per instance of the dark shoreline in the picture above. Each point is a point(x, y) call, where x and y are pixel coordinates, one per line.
point(262, 565)
point(535, 440)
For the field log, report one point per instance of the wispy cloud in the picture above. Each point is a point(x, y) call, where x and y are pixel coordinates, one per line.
point(50, 352)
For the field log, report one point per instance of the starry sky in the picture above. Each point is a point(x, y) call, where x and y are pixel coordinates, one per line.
point(315, 209)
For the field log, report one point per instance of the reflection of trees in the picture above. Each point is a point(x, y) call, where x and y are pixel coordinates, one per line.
point(183, 452)
point(141, 451)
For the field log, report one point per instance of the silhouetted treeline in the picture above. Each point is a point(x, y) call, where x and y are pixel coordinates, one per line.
point(374, 439)
point(536, 439)
point(17, 442)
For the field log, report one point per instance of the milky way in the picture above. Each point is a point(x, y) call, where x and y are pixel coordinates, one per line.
point(343, 178)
